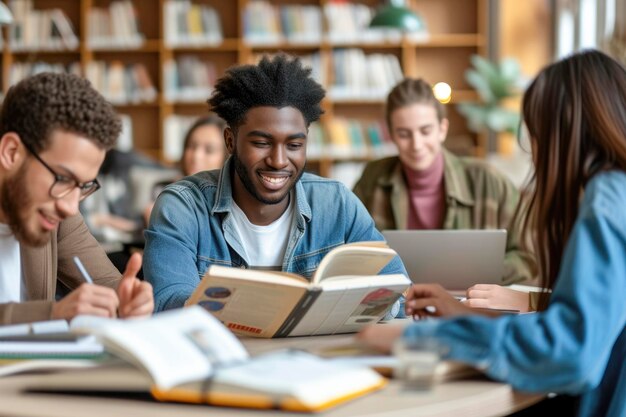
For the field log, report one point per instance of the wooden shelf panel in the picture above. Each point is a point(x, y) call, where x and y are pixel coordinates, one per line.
point(286, 46)
point(463, 95)
point(458, 95)
point(34, 52)
point(151, 45)
point(228, 44)
point(450, 40)
point(432, 41)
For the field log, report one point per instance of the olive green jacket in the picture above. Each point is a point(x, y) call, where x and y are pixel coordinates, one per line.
point(43, 267)
point(477, 197)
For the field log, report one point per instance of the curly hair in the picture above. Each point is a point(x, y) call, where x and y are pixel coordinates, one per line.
point(38, 105)
point(281, 81)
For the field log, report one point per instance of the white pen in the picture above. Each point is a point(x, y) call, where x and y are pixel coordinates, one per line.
point(82, 270)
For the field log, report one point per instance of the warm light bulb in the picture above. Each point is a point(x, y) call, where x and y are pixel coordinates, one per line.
point(442, 92)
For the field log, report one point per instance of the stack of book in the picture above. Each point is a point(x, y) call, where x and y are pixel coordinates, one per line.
point(301, 24)
point(175, 128)
point(45, 340)
point(265, 23)
point(21, 70)
point(125, 140)
point(316, 146)
point(189, 24)
point(261, 24)
point(348, 23)
point(188, 79)
point(358, 139)
point(315, 61)
point(40, 30)
point(121, 83)
point(203, 362)
point(114, 27)
point(358, 76)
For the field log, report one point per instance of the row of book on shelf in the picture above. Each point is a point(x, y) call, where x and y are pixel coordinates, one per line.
point(187, 23)
point(339, 138)
point(50, 29)
point(193, 24)
point(351, 138)
point(115, 26)
point(349, 143)
point(355, 75)
point(363, 76)
point(335, 22)
point(47, 29)
point(121, 83)
point(188, 79)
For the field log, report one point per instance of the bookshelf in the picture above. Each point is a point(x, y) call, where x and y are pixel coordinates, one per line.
point(147, 55)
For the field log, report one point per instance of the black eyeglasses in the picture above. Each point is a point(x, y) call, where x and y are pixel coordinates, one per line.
point(63, 185)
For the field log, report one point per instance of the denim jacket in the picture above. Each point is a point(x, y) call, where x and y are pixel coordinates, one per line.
point(578, 344)
point(191, 228)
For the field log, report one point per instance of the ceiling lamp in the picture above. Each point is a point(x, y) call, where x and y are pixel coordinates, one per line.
point(397, 16)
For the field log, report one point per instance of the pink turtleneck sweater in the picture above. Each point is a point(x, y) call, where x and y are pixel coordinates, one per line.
point(427, 201)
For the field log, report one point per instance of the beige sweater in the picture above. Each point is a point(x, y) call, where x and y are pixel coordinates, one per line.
point(42, 267)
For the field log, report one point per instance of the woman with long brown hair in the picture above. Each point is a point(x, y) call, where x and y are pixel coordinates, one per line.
point(575, 114)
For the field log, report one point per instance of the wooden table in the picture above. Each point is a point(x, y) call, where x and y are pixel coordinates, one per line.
point(476, 397)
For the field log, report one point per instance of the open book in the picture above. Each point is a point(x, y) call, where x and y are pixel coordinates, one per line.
point(344, 294)
point(187, 355)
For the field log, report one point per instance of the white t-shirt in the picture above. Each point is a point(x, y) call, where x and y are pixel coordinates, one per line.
point(265, 246)
point(10, 267)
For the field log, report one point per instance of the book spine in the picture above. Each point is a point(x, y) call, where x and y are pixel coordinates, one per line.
point(308, 299)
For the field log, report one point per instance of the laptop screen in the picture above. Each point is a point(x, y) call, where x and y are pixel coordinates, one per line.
point(456, 259)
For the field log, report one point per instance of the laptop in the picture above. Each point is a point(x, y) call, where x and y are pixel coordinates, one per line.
point(456, 259)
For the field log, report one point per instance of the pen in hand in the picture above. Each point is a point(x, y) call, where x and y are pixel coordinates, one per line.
point(82, 270)
point(88, 280)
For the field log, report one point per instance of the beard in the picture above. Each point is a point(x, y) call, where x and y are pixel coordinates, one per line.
point(16, 204)
point(244, 176)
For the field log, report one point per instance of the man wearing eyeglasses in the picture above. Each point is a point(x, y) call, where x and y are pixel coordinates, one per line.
point(54, 132)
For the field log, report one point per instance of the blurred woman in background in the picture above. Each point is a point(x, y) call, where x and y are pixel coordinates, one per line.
point(203, 150)
point(203, 147)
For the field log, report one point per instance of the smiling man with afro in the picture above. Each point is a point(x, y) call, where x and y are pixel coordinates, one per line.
point(261, 210)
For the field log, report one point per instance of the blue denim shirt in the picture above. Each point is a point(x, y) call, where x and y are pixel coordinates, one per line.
point(578, 345)
point(191, 228)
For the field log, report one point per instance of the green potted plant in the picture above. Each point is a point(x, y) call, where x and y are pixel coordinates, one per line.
point(494, 83)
